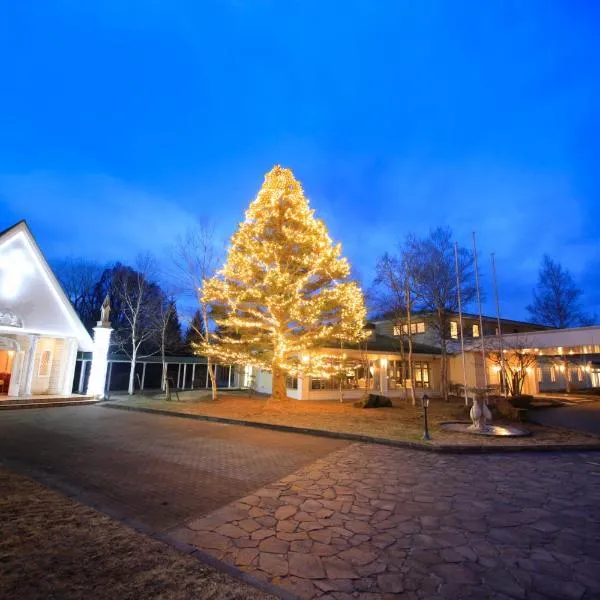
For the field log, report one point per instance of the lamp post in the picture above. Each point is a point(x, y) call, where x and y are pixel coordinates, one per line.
point(425, 401)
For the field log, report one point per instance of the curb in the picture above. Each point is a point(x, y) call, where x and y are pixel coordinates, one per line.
point(353, 437)
point(161, 536)
point(26, 406)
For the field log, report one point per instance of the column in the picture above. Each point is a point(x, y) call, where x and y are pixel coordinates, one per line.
point(184, 374)
point(82, 377)
point(68, 369)
point(29, 362)
point(97, 381)
point(206, 375)
point(109, 377)
point(178, 375)
point(383, 381)
point(229, 379)
point(193, 374)
point(18, 364)
point(143, 376)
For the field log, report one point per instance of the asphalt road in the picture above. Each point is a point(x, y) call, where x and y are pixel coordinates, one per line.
point(581, 417)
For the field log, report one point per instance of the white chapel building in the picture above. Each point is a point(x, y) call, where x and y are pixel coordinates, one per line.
point(40, 332)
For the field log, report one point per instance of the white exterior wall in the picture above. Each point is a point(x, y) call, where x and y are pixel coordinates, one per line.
point(263, 382)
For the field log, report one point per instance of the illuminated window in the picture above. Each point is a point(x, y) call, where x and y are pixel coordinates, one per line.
point(44, 370)
point(291, 383)
point(414, 328)
point(421, 375)
point(397, 330)
point(475, 330)
point(453, 330)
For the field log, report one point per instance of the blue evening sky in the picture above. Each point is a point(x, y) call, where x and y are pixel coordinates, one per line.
point(123, 121)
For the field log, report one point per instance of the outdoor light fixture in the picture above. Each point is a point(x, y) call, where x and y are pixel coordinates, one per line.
point(425, 402)
point(384, 362)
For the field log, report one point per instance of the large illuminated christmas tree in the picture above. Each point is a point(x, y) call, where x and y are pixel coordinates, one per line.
point(285, 290)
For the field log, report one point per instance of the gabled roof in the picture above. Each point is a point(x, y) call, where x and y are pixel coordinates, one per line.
point(384, 343)
point(31, 291)
point(422, 314)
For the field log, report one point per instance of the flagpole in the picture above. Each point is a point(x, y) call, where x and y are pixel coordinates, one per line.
point(460, 322)
point(485, 379)
point(502, 372)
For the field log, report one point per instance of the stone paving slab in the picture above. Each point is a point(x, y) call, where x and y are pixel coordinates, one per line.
point(372, 522)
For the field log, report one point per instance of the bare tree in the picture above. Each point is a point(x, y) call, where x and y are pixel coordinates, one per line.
point(195, 260)
point(556, 297)
point(430, 262)
point(513, 364)
point(140, 301)
point(80, 278)
point(169, 333)
point(396, 299)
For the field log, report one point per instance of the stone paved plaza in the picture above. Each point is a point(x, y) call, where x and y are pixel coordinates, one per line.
point(372, 522)
point(324, 518)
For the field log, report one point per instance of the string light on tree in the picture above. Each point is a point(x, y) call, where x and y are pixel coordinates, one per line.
point(285, 290)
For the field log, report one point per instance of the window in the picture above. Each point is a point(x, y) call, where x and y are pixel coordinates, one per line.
point(397, 372)
point(291, 383)
point(45, 360)
point(553, 374)
point(414, 328)
point(397, 330)
point(453, 330)
point(475, 330)
point(421, 373)
point(353, 379)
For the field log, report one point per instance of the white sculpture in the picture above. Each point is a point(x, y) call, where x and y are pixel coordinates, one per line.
point(480, 414)
point(105, 313)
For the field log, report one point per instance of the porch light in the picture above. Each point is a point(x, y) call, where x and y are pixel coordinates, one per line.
point(384, 362)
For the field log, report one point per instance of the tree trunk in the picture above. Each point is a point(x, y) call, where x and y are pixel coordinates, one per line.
point(163, 377)
point(411, 373)
point(444, 374)
point(278, 389)
point(131, 387)
point(212, 373)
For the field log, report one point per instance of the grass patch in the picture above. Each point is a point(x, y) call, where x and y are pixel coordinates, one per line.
point(54, 547)
point(402, 422)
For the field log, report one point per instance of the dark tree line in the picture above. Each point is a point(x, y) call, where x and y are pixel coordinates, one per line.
point(87, 284)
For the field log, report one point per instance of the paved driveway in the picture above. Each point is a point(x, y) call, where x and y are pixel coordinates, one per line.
point(156, 470)
point(379, 523)
point(581, 417)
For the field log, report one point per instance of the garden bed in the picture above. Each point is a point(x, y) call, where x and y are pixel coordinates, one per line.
point(401, 423)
